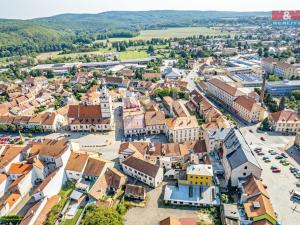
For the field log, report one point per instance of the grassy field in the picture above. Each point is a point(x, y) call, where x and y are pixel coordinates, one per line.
point(56, 55)
point(133, 55)
point(180, 32)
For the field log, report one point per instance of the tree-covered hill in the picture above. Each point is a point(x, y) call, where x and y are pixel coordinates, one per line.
point(19, 37)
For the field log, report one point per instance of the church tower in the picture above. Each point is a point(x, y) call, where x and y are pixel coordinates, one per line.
point(105, 102)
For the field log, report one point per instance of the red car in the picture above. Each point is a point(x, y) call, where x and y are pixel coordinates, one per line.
point(276, 170)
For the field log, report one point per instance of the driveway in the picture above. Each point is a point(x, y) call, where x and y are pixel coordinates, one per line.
point(155, 211)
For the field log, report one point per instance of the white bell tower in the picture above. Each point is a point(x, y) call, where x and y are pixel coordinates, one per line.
point(105, 101)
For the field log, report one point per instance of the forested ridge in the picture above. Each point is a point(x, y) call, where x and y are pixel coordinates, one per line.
point(21, 37)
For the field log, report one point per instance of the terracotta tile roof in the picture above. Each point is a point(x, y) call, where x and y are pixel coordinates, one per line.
point(49, 147)
point(254, 186)
point(16, 182)
point(9, 153)
point(135, 190)
point(197, 146)
point(46, 118)
point(12, 199)
point(196, 96)
point(247, 103)
point(258, 206)
point(188, 221)
point(127, 73)
point(20, 168)
point(141, 165)
point(90, 96)
point(99, 188)
point(30, 213)
point(45, 182)
point(140, 147)
point(91, 121)
point(151, 75)
point(84, 111)
point(203, 85)
point(3, 177)
point(77, 161)
point(233, 91)
point(168, 100)
point(51, 202)
point(168, 149)
point(94, 167)
point(114, 178)
point(38, 164)
point(285, 116)
point(179, 109)
point(170, 221)
point(114, 80)
point(269, 60)
point(182, 123)
point(154, 118)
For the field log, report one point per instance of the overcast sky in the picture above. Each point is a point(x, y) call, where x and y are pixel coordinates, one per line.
point(26, 9)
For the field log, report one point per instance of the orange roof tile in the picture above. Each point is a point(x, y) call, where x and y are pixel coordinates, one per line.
point(20, 168)
point(12, 199)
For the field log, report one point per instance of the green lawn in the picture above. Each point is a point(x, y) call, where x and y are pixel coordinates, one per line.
point(74, 219)
point(133, 55)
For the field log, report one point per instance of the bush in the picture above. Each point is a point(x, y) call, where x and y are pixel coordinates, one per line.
point(95, 215)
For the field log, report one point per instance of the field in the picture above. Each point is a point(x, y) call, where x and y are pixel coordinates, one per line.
point(133, 55)
point(56, 55)
point(140, 51)
point(181, 32)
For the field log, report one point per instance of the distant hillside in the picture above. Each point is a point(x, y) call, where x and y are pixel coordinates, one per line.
point(18, 37)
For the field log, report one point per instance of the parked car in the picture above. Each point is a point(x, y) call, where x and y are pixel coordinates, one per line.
point(276, 170)
point(263, 139)
point(267, 160)
point(260, 153)
point(286, 163)
point(265, 157)
point(279, 157)
point(273, 167)
point(284, 155)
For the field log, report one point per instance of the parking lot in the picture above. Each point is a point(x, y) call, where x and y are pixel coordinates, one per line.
point(279, 184)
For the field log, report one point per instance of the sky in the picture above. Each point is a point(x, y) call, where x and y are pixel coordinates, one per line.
point(27, 9)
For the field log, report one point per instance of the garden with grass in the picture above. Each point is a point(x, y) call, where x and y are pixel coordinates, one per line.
point(56, 210)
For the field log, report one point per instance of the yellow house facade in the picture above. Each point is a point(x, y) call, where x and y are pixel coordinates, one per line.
point(200, 174)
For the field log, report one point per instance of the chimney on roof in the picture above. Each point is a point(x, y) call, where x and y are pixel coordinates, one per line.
point(263, 86)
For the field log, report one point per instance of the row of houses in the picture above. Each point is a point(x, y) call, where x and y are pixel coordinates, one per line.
point(282, 69)
point(47, 121)
point(245, 106)
point(137, 122)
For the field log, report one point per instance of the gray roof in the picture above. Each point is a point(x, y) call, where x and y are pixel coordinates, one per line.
point(238, 151)
point(173, 72)
point(218, 133)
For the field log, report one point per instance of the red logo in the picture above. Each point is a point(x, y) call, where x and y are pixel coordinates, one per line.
point(286, 15)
